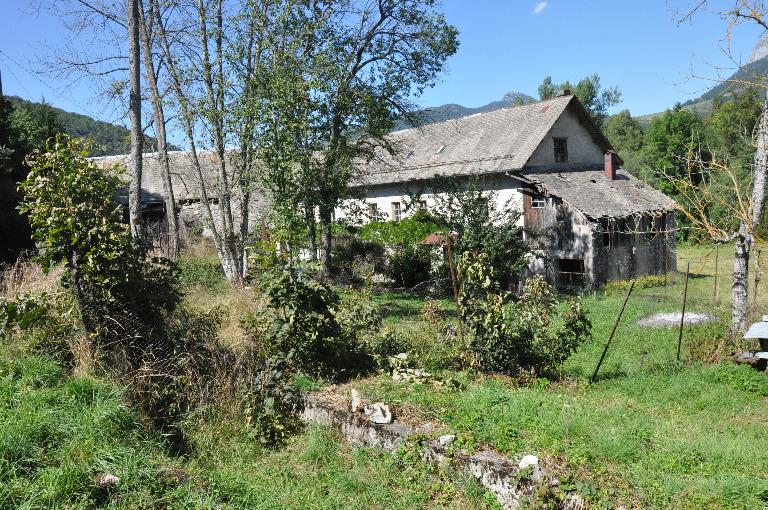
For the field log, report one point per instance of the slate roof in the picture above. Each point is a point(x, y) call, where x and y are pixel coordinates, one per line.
point(183, 174)
point(591, 192)
point(484, 143)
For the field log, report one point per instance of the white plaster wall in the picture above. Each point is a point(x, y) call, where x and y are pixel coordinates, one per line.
point(582, 149)
point(505, 187)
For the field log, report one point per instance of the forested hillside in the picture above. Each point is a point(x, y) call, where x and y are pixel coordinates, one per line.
point(109, 138)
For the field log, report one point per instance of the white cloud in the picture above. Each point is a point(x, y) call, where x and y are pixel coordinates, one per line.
point(539, 8)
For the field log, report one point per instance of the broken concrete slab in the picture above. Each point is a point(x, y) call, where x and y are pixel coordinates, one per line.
point(497, 473)
point(672, 319)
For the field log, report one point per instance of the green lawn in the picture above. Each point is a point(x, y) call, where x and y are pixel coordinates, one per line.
point(650, 433)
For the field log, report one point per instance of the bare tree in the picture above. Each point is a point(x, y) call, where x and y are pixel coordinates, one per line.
point(747, 212)
point(151, 71)
point(134, 113)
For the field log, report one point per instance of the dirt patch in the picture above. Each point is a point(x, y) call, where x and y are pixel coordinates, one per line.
point(671, 319)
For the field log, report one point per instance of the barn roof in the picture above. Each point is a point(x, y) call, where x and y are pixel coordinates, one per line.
point(484, 143)
point(183, 174)
point(588, 190)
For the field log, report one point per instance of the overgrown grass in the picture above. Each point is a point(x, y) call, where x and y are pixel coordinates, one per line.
point(59, 432)
point(652, 432)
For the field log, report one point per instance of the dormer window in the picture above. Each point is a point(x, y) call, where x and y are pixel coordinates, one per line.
point(561, 150)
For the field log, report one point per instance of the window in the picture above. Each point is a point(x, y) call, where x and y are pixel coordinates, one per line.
point(373, 211)
point(561, 150)
point(422, 205)
point(538, 202)
point(570, 272)
point(396, 214)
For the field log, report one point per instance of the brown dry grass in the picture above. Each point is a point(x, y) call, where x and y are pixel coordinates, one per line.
point(27, 277)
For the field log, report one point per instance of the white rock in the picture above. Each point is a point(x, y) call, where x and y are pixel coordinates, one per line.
point(378, 413)
point(531, 461)
point(357, 402)
point(105, 480)
point(446, 439)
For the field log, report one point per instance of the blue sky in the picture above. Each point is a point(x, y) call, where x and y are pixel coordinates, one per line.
point(506, 45)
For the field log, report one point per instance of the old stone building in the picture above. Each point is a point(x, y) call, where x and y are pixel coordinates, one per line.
point(186, 189)
point(546, 159)
point(552, 163)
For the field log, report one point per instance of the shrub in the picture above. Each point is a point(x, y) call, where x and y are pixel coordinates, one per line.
point(304, 323)
point(529, 334)
point(274, 403)
point(22, 313)
point(407, 267)
point(353, 256)
point(648, 281)
point(77, 223)
point(406, 233)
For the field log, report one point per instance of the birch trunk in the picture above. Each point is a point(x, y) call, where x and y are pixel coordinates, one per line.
point(158, 114)
point(745, 236)
point(137, 140)
point(229, 263)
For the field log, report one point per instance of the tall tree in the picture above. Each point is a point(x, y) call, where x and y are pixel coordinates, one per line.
point(134, 113)
point(596, 99)
point(376, 57)
point(151, 71)
point(733, 13)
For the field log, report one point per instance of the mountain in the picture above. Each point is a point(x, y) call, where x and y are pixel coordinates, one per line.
point(109, 138)
point(454, 111)
point(755, 71)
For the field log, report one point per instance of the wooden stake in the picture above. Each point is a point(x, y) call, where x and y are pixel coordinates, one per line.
point(717, 274)
point(758, 276)
point(454, 284)
point(682, 315)
point(613, 332)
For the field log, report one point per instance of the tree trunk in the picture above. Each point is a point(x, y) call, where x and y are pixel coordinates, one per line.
point(327, 225)
point(229, 263)
point(137, 140)
point(740, 287)
point(158, 114)
point(744, 239)
point(309, 215)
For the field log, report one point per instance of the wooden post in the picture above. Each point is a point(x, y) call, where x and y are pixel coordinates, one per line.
point(758, 276)
point(613, 332)
point(454, 284)
point(717, 273)
point(682, 315)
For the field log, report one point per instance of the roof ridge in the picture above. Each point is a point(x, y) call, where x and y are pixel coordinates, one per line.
point(504, 108)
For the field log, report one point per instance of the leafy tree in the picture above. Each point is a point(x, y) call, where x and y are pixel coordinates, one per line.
point(77, 223)
point(667, 141)
point(624, 132)
point(596, 99)
point(372, 63)
point(22, 130)
point(482, 223)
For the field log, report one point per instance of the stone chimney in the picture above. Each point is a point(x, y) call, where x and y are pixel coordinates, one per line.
point(563, 92)
point(611, 164)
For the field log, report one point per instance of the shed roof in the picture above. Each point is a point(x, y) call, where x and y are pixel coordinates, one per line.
point(490, 142)
point(591, 192)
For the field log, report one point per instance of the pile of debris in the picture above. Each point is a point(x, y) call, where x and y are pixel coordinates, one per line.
point(402, 372)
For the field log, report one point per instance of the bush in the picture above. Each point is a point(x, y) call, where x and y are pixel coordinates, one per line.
point(305, 323)
point(405, 233)
point(353, 257)
point(648, 281)
point(274, 403)
point(529, 334)
point(409, 266)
